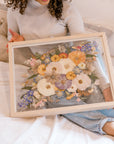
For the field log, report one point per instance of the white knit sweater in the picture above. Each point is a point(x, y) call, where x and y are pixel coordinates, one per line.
point(38, 23)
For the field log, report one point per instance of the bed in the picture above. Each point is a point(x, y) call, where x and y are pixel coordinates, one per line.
point(50, 129)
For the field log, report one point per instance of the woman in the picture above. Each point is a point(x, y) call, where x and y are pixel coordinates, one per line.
point(33, 19)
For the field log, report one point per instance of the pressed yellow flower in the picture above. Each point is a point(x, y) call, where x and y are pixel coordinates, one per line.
point(70, 96)
point(55, 58)
point(42, 69)
point(59, 93)
point(33, 84)
point(93, 48)
point(70, 75)
point(77, 57)
point(55, 88)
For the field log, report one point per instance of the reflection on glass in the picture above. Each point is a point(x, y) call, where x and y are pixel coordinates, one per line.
point(66, 74)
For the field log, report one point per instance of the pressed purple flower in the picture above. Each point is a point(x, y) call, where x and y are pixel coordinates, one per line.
point(63, 83)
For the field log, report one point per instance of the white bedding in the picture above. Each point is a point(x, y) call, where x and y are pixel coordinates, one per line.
point(40, 130)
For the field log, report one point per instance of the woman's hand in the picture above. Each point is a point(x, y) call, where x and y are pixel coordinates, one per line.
point(15, 36)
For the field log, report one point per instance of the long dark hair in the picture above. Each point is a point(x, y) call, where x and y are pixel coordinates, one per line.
point(55, 7)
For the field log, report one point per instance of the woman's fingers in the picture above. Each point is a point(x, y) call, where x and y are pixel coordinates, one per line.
point(13, 33)
point(15, 36)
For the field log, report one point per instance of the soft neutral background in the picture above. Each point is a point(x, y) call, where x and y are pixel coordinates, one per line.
point(96, 11)
point(53, 129)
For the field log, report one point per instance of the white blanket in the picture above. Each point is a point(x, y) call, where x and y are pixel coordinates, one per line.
point(39, 130)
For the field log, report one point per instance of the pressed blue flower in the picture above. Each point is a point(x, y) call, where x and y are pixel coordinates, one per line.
point(30, 93)
point(35, 80)
point(77, 70)
point(22, 104)
point(28, 99)
point(95, 44)
point(86, 47)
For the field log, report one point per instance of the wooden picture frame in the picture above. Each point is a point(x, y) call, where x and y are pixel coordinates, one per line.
point(76, 42)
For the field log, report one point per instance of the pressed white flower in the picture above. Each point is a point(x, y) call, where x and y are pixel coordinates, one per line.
point(45, 88)
point(61, 48)
point(92, 68)
point(38, 61)
point(34, 85)
point(54, 67)
point(67, 65)
point(90, 90)
point(36, 94)
point(82, 65)
point(47, 60)
point(73, 88)
point(97, 82)
point(82, 81)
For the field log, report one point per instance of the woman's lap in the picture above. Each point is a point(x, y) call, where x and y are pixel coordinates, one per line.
point(108, 112)
point(91, 120)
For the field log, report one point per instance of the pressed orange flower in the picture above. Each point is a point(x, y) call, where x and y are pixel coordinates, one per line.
point(55, 58)
point(43, 56)
point(77, 47)
point(70, 75)
point(63, 55)
point(42, 69)
point(77, 57)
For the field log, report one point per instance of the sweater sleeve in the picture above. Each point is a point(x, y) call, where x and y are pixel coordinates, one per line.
point(12, 23)
point(103, 79)
point(73, 18)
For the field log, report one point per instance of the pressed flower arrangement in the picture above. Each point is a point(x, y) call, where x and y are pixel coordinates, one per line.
point(64, 69)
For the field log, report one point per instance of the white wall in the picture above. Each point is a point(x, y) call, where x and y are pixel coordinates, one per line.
point(1, 1)
point(97, 11)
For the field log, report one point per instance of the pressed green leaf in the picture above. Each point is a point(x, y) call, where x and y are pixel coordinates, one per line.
point(32, 76)
point(27, 87)
point(57, 51)
point(90, 55)
point(93, 77)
